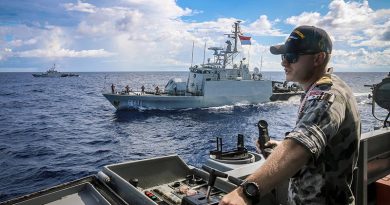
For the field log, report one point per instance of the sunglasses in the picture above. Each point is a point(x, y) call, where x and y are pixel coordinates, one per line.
point(293, 57)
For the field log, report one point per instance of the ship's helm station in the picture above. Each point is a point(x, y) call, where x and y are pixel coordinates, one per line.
point(168, 180)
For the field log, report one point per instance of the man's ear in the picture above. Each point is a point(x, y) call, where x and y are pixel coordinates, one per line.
point(319, 58)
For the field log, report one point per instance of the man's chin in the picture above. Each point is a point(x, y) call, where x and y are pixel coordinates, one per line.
point(288, 77)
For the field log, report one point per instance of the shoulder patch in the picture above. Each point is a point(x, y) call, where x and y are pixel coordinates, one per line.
point(325, 80)
point(314, 95)
point(315, 92)
point(320, 95)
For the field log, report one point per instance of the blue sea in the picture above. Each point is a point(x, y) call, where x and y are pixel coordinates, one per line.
point(53, 130)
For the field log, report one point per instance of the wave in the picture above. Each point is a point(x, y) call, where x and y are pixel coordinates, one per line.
point(99, 142)
point(34, 151)
point(7, 93)
point(361, 94)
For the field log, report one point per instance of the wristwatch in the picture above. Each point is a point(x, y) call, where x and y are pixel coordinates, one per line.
point(251, 191)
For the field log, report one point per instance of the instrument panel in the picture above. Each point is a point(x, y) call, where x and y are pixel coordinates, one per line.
point(192, 190)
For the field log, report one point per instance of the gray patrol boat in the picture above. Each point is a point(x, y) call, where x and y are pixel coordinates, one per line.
point(220, 81)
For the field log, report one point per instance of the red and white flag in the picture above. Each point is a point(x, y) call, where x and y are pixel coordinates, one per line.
point(245, 40)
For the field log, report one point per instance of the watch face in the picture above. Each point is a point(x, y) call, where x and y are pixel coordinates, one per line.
point(251, 189)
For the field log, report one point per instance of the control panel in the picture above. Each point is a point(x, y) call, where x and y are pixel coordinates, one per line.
point(192, 189)
point(167, 181)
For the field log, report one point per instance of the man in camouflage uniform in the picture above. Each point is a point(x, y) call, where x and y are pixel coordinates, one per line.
point(320, 153)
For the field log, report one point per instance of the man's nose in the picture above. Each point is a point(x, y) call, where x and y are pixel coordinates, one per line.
point(284, 62)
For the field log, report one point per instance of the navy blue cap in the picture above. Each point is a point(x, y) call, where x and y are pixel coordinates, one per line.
point(305, 39)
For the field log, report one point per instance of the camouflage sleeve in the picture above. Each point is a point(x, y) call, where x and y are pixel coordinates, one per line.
point(319, 122)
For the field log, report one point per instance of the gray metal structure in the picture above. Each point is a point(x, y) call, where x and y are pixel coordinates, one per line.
point(373, 163)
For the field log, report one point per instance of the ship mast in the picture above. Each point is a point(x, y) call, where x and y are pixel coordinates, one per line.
point(235, 32)
point(261, 63)
point(230, 54)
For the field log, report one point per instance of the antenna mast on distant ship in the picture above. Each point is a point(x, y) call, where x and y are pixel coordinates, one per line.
point(204, 52)
point(230, 54)
point(261, 63)
point(192, 54)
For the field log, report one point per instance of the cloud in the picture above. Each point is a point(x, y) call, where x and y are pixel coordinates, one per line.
point(19, 42)
point(50, 42)
point(263, 27)
point(5, 53)
point(306, 18)
point(386, 35)
point(137, 30)
point(165, 9)
point(361, 58)
point(352, 22)
point(63, 53)
point(80, 6)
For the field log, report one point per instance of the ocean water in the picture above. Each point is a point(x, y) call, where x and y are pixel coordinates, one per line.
point(53, 130)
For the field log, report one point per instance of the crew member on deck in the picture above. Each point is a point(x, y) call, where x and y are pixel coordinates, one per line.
point(142, 89)
point(319, 155)
point(112, 88)
point(127, 89)
point(157, 90)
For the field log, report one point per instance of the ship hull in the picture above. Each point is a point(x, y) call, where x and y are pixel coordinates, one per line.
point(59, 75)
point(216, 93)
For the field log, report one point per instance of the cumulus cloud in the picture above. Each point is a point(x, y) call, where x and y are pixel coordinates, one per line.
point(50, 42)
point(263, 27)
point(135, 30)
point(5, 53)
point(361, 58)
point(352, 22)
point(306, 18)
point(20, 42)
point(62, 53)
point(386, 35)
point(80, 6)
point(140, 29)
point(165, 9)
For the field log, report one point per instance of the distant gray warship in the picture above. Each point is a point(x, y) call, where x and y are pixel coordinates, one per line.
point(220, 81)
point(53, 73)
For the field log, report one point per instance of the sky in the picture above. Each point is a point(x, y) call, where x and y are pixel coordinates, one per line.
point(158, 35)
